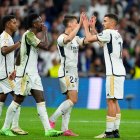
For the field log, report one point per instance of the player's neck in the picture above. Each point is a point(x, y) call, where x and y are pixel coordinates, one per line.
point(112, 27)
point(7, 30)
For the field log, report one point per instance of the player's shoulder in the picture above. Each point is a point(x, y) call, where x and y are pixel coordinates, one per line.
point(29, 34)
point(61, 37)
point(104, 32)
point(5, 35)
point(112, 31)
point(108, 31)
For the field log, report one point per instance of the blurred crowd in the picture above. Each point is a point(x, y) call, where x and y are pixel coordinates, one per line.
point(91, 61)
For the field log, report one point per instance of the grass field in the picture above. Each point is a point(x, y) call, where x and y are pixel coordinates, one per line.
point(87, 123)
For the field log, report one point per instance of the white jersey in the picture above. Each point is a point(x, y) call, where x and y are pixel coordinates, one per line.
point(68, 53)
point(113, 43)
point(7, 61)
point(28, 54)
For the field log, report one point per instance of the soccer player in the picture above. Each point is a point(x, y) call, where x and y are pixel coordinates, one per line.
point(27, 77)
point(7, 48)
point(111, 41)
point(68, 45)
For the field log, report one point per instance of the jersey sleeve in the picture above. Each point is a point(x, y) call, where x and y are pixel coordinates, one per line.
point(32, 39)
point(104, 36)
point(4, 42)
point(60, 40)
point(80, 40)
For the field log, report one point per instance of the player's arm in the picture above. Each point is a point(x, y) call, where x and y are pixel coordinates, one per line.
point(92, 28)
point(33, 41)
point(7, 49)
point(89, 37)
point(12, 76)
point(44, 42)
point(70, 37)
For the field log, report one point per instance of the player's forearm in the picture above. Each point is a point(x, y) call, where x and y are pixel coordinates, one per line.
point(8, 49)
point(45, 39)
point(88, 34)
point(93, 31)
point(72, 34)
point(44, 43)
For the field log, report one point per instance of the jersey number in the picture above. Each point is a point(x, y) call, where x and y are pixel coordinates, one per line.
point(120, 44)
point(72, 79)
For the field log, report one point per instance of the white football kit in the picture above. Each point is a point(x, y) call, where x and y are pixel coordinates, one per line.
point(1, 90)
point(115, 71)
point(68, 72)
point(27, 76)
point(6, 64)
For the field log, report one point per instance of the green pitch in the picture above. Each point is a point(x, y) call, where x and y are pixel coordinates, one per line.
point(86, 123)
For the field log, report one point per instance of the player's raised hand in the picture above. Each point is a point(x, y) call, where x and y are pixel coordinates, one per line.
point(92, 21)
point(85, 20)
point(44, 28)
point(81, 18)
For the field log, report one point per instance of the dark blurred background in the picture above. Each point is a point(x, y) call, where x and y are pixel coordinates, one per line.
point(91, 62)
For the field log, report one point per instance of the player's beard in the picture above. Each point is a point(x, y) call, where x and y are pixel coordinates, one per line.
point(39, 29)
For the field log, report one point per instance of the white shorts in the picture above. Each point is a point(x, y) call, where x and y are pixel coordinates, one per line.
point(6, 86)
point(115, 87)
point(69, 82)
point(26, 83)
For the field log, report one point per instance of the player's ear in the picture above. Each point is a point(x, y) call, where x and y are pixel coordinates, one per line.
point(8, 24)
point(34, 24)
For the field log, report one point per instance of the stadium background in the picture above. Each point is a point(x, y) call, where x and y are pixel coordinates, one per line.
point(91, 63)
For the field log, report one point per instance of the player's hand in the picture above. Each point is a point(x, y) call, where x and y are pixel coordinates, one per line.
point(85, 20)
point(18, 44)
point(12, 76)
point(92, 21)
point(81, 20)
point(44, 28)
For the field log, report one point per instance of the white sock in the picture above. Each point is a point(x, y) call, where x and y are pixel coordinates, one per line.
point(10, 114)
point(110, 121)
point(65, 120)
point(16, 118)
point(62, 109)
point(1, 106)
point(117, 121)
point(42, 113)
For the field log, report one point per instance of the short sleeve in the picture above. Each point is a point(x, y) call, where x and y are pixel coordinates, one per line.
point(104, 36)
point(4, 42)
point(80, 40)
point(32, 39)
point(60, 40)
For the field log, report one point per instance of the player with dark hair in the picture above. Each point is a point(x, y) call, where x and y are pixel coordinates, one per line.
point(68, 45)
point(7, 65)
point(27, 77)
point(111, 41)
